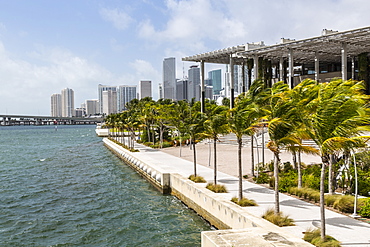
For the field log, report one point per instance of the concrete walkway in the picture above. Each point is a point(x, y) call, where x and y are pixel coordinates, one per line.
point(348, 231)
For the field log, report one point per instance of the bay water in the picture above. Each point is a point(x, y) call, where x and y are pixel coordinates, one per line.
point(62, 187)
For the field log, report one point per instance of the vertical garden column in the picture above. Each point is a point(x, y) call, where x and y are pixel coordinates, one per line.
point(231, 81)
point(353, 68)
point(255, 67)
point(291, 72)
point(344, 61)
point(243, 78)
point(317, 67)
point(202, 86)
point(281, 69)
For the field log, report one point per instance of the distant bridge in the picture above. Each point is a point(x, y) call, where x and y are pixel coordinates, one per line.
point(10, 120)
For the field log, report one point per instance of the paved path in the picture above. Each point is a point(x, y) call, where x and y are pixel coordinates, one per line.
point(349, 231)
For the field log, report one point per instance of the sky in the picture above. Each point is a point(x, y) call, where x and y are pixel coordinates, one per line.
point(46, 46)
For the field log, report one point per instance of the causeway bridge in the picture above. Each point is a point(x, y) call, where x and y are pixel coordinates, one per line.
point(11, 120)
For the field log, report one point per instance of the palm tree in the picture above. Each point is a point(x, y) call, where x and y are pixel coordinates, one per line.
point(241, 120)
point(214, 126)
point(300, 96)
point(340, 115)
point(178, 113)
point(194, 127)
point(278, 111)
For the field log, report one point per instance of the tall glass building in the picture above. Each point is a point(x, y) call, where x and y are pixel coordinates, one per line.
point(169, 78)
point(215, 77)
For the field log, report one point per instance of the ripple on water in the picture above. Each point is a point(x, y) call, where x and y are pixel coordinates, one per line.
point(64, 188)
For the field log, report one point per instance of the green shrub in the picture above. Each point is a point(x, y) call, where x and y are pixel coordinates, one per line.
point(292, 190)
point(217, 188)
point(364, 184)
point(314, 237)
point(364, 208)
point(288, 179)
point(311, 181)
point(331, 199)
point(278, 219)
point(197, 179)
point(167, 144)
point(263, 178)
point(287, 166)
point(307, 193)
point(244, 202)
point(345, 204)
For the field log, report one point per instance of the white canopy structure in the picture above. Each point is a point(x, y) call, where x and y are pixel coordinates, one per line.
point(333, 49)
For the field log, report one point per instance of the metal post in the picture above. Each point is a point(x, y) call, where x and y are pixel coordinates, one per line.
point(344, 61)
point(258, 155)
point(355, 215)
point(263, 144)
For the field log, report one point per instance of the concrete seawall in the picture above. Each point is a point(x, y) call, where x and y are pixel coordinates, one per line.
point(237, 226)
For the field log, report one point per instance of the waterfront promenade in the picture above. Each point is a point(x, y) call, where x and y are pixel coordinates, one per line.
point(349, 231)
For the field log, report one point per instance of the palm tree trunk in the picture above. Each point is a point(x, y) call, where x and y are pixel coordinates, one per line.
point(252, 155)
point(299, 170)
point(276, 176)
point(161, 136)
point(240, 168)
point(322, 201)
point(195, 158)
point(148, 132)
point(294, 157)
point(215, 159)
point(330, 175)
point(180, 144)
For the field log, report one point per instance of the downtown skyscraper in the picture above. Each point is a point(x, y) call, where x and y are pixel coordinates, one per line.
point(125, 94)
point(216, 80)
point(68, 102)
point(169, 78)
point(145, 89)
point(56, 105)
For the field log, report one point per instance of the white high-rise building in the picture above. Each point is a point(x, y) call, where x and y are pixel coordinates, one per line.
point(68, 102)
point(125, 94)
point(109, 102)
point(145, 89)
point(169, 78)
point(56, 105)
point(102, 88)
point(92, 107)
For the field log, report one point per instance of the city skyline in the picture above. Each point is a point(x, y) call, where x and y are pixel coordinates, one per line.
point(47, 45)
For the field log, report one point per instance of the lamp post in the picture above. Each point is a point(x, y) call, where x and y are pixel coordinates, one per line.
point(258, 155)
point(355, 215)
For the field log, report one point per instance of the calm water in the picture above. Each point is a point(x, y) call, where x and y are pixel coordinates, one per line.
point(64, 188)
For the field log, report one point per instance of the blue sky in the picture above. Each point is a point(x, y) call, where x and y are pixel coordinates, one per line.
point(46, 45)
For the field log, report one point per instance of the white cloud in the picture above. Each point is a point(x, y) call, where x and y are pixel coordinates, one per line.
point(194, 25)
point(119, 18)
point(144, 70)
point(26, 85)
